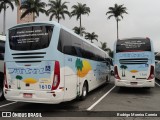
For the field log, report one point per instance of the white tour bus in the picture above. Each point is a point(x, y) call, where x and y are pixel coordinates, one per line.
point(134, 63)
point(2, 49)
point(47, 63)
point(157, 65)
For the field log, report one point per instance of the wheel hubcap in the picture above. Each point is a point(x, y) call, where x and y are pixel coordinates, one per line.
point(84, 91)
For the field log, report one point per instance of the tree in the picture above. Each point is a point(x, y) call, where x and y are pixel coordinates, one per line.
point(111, 53)
point(4, 4)
point(77, 30)
point(34, 7)
point(79, 10)
point(122, 67)
point(58, 9)
point(19, 78)
point(104, 46)
point(91, 36)
point(117, 11)
point(125, 67)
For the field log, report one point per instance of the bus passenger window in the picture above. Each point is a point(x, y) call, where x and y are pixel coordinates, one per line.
point(69, 50)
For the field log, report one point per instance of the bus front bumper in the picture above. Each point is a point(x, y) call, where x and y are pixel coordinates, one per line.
point(140, 83)
point(36, 97)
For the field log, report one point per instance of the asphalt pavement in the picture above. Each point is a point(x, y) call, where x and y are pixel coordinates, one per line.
point(105, 99)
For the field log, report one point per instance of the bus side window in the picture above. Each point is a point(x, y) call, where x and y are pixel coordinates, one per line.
point(1, 56)
point(79, 51)
point(60, 45)
point(77, 44)
point(88, 52)
point(69, 50)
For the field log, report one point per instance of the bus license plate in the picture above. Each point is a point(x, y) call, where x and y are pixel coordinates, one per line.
point(133, 83)
point(27, 95)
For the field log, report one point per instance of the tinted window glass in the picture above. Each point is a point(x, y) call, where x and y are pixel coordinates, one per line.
point(157, 57)
point(70, 50)
point(72, 45)
point(77, 43)
point(133, 45)
point(30, 38)
point(2, 50)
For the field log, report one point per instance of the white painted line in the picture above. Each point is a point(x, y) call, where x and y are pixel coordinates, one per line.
point(157, 84)
point(7, 104)
point(92, 106)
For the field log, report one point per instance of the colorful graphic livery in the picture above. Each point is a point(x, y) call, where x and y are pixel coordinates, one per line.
point(47, 63)
point(134, 63)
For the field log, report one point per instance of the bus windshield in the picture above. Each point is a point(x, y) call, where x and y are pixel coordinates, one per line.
point(30, 38)
point(133, 45)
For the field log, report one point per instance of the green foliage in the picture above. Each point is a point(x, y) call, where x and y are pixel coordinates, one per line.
point(79, 64)
point(116, 12)
point(19, 77)
point(79, 10)
point(91, 36)
point(4, 4)
point(77, 30)
point(33, 6)
point(58, 9)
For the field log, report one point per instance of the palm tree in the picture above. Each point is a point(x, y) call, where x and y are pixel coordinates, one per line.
point(111, 53)
point(91, 36)
point(125, 67)
point(58, 9)
point(104, 46)
point(77, 30)
point(122, 67)
point(4, 4)
point(34, 7)
point(117, 11)
point(79, 10)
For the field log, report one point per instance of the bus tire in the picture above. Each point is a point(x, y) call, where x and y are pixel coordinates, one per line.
point(84, 91)
point(107, 79)
point(1, 88)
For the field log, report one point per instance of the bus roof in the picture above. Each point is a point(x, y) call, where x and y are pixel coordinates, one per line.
point(61, 26)
point(134, 38)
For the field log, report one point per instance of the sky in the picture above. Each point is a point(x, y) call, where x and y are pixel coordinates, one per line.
point(142, 20)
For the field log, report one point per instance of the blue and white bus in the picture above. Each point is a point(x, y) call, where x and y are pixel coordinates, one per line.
point(157, 65)
point(134, 63)
point(48, 63)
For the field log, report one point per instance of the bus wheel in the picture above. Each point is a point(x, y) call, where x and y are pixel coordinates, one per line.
point(1, 94)
point(84, 91)
point(1, 88)
point(107, 79)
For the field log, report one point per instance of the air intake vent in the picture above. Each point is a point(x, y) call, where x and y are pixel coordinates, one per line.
point(134, 61)
point(32, 53)
point(32, 57)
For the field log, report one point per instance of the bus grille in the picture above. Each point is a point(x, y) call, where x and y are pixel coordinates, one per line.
point(28, 57)
point(134, 61)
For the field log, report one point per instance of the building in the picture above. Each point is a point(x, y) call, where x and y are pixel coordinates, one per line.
point(28, 18)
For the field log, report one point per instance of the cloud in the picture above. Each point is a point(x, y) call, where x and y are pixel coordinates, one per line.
point(142, 20)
